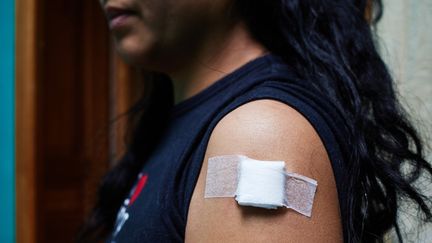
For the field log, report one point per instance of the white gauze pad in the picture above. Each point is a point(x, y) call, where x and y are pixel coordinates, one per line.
point(257, 183)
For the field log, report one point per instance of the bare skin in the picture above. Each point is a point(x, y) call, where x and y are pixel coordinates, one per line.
point(196, 44)
point(267, 130)
point(236, 49)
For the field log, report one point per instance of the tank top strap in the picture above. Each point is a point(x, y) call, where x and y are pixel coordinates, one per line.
point(321, 114)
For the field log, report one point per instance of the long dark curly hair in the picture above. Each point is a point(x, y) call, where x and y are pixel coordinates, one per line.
point(331, 44)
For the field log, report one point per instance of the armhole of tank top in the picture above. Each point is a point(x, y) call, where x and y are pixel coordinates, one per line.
point(307, 111)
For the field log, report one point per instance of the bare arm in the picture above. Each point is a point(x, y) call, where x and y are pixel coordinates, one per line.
point(267, 130)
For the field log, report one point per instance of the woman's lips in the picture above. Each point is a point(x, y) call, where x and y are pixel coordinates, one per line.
point(119, 17)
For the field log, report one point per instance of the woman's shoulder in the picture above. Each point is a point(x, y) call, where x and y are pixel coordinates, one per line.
point(262, 125)
point(267, 129)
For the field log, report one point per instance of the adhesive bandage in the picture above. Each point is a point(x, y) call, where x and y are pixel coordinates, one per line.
point(258, 183)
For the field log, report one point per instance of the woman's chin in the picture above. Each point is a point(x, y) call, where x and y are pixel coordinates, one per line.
point(134, 55)
point(147, 54)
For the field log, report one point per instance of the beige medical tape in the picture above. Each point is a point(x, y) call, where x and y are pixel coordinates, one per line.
point(258, 183)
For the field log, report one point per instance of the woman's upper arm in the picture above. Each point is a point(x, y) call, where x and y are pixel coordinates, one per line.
point(267, 130)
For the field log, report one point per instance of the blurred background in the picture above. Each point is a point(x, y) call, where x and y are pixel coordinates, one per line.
point(62, 85)
point(406, 45)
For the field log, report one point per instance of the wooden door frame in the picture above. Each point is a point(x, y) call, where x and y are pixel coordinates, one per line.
point(25, 78)
point(29, 65)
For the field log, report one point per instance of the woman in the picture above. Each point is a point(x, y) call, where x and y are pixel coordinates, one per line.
point(293, 80)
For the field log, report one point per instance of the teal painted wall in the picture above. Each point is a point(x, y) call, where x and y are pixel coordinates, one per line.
point(7, 116)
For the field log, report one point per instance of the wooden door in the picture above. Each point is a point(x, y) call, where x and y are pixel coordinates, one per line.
point(69, 85)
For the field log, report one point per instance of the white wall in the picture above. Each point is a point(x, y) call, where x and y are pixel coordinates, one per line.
point(406, 46)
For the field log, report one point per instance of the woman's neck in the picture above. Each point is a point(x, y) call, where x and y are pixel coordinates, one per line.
point(219, 56)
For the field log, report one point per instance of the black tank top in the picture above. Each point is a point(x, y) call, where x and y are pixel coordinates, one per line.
point(157, 207)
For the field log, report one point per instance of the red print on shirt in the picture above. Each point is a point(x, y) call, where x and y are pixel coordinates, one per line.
point(140, 185)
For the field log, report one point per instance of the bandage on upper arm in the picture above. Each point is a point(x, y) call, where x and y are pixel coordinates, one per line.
point(257, 183)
